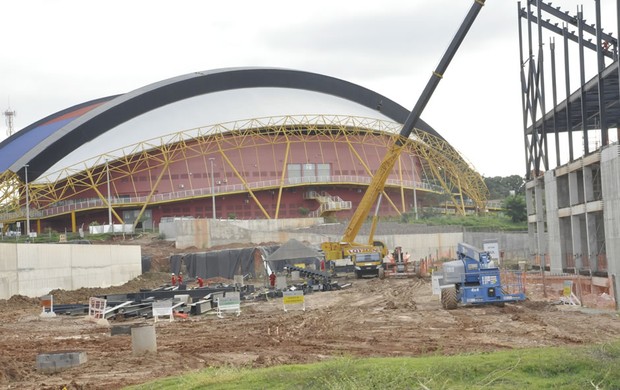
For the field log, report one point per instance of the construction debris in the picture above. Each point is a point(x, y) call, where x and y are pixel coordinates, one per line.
point(179, 302)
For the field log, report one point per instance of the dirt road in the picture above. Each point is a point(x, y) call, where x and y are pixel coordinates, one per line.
point(371, 318)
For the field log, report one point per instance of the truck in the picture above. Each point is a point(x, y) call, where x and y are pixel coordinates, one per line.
point(347, 248)
point(474, 279)
point(366, 260)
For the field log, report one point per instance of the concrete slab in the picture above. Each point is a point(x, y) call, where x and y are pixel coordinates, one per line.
point(57, 361)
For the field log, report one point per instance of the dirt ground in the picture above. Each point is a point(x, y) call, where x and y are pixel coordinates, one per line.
point(392, 317)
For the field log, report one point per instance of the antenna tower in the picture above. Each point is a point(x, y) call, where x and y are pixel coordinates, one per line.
point(9, 116)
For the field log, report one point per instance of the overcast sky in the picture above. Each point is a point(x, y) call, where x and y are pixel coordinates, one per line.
point(58, 53)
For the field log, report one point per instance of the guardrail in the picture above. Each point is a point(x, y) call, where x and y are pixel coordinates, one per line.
point(76, 205)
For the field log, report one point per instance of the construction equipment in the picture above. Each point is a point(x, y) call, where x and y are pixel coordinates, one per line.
point(366, 260)
point(474, 279)
point(398, 264)
point(347, 248)
point(318, 278)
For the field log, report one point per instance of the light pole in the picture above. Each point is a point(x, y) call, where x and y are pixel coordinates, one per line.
point(212, 188)
point(107, 168)
point(27, 202)
point(415, 197)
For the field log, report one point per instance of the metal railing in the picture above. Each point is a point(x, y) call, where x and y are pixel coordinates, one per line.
point(68, 206)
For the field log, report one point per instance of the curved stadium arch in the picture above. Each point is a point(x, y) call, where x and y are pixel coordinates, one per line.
point(267, 164)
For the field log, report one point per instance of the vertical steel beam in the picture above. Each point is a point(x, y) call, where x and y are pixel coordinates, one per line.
point(601, 82)
point(569, 125)
point(555, 102)
point(541, 92)
point(582, 80)
point(531, 82)
point(524, 93)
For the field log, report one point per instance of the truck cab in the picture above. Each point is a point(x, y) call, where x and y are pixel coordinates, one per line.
point(367, 264)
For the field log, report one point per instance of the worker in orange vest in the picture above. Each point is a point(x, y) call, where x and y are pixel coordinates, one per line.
point(272, 279)
point(173, 280)
point(201, 282)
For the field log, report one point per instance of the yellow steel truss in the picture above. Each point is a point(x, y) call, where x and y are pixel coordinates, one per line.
point(441, 165)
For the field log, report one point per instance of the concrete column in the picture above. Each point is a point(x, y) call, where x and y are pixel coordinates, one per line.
point(590, 219)
point(537, 236)
point(575, 185)
point(530, 189)
point(588, 184)
point(566, 244)
point(592, 222)
point(554, 240)
point(575, 223)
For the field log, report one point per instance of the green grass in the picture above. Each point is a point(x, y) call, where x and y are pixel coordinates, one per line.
point(592, 367)
point(470, 222)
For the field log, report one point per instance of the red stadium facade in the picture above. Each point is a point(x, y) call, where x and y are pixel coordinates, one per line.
point(240, 141)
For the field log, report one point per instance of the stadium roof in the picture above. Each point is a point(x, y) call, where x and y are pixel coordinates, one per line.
point(185, 102)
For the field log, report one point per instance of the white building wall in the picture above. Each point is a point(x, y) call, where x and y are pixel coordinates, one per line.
point(41, 268)
point(610, 170)
point(8, 265)
point(89, 272)
point(35, 269)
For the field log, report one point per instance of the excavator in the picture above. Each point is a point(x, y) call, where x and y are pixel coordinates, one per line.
point(367, 258)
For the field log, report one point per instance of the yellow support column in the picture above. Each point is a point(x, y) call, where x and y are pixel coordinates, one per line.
point(38, 226)
point(73, 223)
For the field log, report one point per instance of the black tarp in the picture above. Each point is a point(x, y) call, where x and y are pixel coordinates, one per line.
point(146, 263)
point(223, 263)
point(175, 264)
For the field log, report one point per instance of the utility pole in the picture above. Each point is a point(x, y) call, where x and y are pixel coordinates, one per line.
point(212, 188)
point(27, 202)
point(107, 168)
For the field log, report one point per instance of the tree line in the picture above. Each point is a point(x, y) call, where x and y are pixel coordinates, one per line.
point(511, 190)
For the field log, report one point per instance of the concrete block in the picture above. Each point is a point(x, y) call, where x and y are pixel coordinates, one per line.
point(117, 330)
point(185, 298)
point(58, 361)
point(143, 339)
point(216, 295)
point(201, 307)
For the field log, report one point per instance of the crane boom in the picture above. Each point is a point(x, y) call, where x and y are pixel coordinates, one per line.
point(377, 183)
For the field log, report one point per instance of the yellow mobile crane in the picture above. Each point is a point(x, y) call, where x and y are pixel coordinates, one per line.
point(368, 258)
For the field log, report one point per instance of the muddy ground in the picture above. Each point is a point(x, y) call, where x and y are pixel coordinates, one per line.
point(394, 317)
